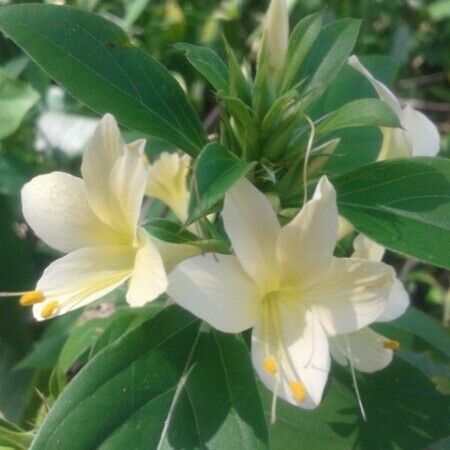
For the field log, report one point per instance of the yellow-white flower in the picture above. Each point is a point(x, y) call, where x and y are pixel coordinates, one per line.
point(95, 220)
point(367, 350)
point(284, 282)
point(276, 34)
point(167, 181)
point(419, 136)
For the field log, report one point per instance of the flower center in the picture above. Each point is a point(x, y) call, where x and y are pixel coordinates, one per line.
point(277, 361)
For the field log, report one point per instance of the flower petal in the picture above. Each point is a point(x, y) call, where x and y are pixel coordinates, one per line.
point(172, 254)
point(216, 289)
point(351, 295)
point(99, 158)
point(127, 182)
point(56, 208)
point(148, 280)
point(365, 248)
point(364, 348)
point(307, 348)
point(253, 229)
point(167, 181)
point(383, 92)
point(421, 132)
point(397, 304)
point(306, 244)
point(84, 276)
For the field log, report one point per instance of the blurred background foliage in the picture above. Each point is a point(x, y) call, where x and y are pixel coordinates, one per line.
point(42, 128)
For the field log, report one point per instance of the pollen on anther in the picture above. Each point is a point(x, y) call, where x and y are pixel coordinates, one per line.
point(391, 345)
point(270, 366)
point(49, 309)
point(31, 298)
point(298, 391)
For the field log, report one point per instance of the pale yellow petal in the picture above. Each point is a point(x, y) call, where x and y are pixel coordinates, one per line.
point(148, 280)
point(216, 289)
point(99, 158)
point(84, 276)
point(306, 244)
point(127, 182)
point(364, 348)
point(351, 294)
point(56, 208)
point(253, 228)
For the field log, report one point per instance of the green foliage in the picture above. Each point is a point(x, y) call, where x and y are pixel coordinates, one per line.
point(393, 202)
point(215, 172)
point(115, 377)
point(169, 383)
point(95, 61)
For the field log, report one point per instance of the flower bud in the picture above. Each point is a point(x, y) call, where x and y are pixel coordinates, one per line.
point(276, 34)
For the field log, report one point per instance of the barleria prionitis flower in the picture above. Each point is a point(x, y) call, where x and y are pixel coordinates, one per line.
point(367, 350)
point(286, 284)
point(95, 220)
point(419, 136)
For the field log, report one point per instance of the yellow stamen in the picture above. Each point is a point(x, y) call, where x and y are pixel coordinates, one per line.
point(270, 365)
point(32, 298)
point(144, 159)
point(48, 309)
point(298, 391)
point(391, 345)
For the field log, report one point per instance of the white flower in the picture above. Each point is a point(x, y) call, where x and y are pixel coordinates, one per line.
point(419, 136)
point(167, 181)
point(276, 34)
point(286, 284)
point(367, 350)
point(95, 220)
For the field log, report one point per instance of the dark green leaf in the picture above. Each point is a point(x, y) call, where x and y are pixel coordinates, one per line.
point(404, 412)
point(168, 384)
point(403, 205)
point(208, 63)
point(94, 59)
point(215, 172)
point(329, 54)
point(300, 42)
point(364, 112)
point(168, 231)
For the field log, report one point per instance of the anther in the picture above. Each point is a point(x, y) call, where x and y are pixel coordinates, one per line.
point(270, 365)
point(49, 309)
point(391, 345)
point(298, 391)
point(31, 298)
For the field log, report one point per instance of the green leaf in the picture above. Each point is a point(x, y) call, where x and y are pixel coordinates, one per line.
point(168, 231)
point(420, 324)
point(16, 99)
point(80, 341)
point(404, 412)
point(215, 172)
point(13, 174)
point(45, 351)
point(208, 63)
point(329, 53)
point(358, 113)
point(94, 59)
point(168, 384)
point(14, 437)
point(300, 43)
point(403, 205)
